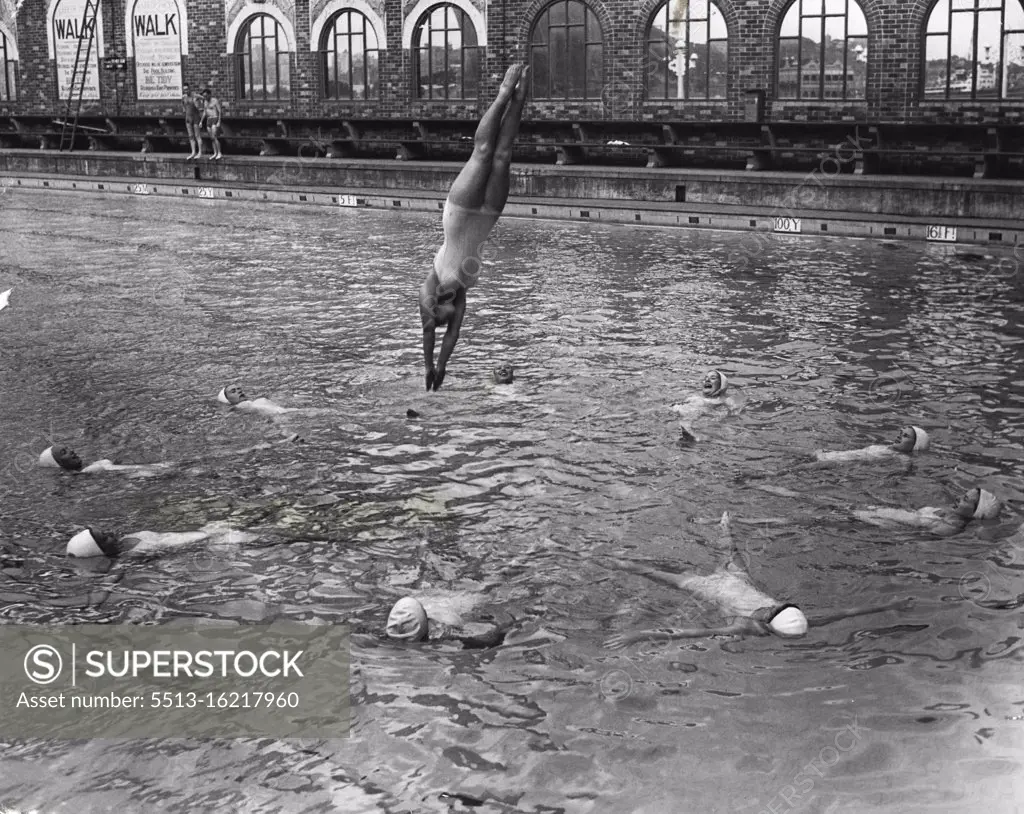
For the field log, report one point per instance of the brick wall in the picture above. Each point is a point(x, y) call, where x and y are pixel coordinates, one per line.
point(893, 85)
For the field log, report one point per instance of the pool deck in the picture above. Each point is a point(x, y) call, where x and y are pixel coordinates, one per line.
point(936, 209)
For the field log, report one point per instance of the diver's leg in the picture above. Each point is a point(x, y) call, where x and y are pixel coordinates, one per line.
point(499, 182)
point(468, 189)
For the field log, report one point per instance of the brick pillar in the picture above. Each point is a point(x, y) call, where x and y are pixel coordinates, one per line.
point(305, 67)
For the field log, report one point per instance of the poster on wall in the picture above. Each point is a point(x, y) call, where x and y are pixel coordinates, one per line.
point(156, 29)
point(69, 29)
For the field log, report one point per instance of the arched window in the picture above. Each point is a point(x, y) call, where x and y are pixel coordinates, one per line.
point(687, 51)
point(447, 57)
point(349, 57)
point(823, 52)
point(974, 49)
point(567, 52)
point(263, 60)
point(8, 70)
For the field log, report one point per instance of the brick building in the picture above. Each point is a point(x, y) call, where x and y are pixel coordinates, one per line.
point(873, 60)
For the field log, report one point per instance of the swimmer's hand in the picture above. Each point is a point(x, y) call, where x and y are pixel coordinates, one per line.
point(439, 376)
point(621, 640)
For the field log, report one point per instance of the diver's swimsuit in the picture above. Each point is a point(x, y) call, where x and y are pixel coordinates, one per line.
point(465, 231)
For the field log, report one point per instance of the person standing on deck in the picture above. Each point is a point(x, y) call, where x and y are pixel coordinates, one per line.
point(212, 115)
point(475, 201)
point(195, 135)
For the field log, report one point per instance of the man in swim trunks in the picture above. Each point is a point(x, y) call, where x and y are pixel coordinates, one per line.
point(212, 116)
point(748, 610)
point(195, 136)
point(475, 201)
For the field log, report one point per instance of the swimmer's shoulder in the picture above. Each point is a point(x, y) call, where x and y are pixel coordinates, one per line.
point(103, 465)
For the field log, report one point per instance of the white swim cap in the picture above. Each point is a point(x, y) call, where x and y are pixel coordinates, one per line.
point(407, 620)
point(46, 458)
point(4, 298)
point(723, 383)
point(222, 396)
point(989, 505)
point(788, 622)
point(84, 544)
point(921, 440)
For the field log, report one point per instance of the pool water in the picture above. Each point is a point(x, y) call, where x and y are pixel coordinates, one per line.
point(129, 314)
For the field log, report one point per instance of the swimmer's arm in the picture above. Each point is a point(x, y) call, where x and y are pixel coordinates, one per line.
point(451, 336)
point(428, 354)
point(104, 465)
point(899, 604)
point(427, 292)
point(664, 577)
point(884, 515)
point(737, 628)
point(491, 638)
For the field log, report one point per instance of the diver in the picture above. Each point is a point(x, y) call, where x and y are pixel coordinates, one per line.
point(475, 202)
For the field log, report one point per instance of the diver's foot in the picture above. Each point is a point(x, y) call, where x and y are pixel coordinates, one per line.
point(515, 70)
point(520, 91)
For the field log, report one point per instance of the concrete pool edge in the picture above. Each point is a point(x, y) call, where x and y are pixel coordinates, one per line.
point(712, 208)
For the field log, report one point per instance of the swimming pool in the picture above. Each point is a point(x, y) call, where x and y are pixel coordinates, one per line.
point(129, 315)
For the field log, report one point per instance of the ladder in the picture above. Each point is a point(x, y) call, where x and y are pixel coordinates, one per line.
point(79, 73)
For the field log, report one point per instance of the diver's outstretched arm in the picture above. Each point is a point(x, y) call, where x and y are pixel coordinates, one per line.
point(899, 604)
point(428, 357)
point(450, 338)
point(428, 302)
point(620, 640)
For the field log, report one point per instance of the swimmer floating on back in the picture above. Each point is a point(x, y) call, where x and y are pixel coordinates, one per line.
point(750, 611)
point(713, 396)
point(475, 201)
point(910, 441)
point(67, 459)
point(977, 504)
point(234, 395)
point(93, 543)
